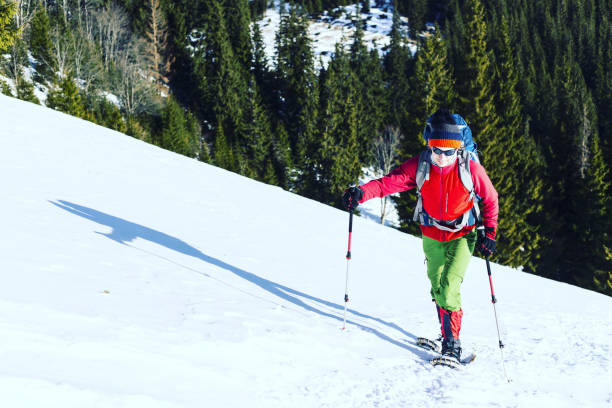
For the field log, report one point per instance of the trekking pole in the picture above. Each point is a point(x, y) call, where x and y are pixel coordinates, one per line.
point(348, 258)
point(494, 301)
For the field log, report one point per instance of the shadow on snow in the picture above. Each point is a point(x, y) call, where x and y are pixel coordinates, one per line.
point(124, 232)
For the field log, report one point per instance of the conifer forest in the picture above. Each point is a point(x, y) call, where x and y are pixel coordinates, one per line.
point(533, 79)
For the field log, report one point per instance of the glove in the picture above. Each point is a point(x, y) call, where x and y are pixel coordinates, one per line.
point(351, 197)
point(486, 242)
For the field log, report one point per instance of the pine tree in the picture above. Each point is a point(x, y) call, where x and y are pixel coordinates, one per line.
point(475, 87)
point(136, 130)
point(260, 60)
point(517, 169)
point(280, 155)
point(193, 128)
point(598, 224)
point(5, 89)
point(545, 107)
point(258, 135)
point(222, 153)
point(396, 76)
point(108, 114)
point(25, 91)
point(41, 45)
point(269, 176)
point(603, 89)
point(336, 162)
point(204, 154)
point(238, 17)
point(580, 196)
point(176, 135)
point(297, 100)
point(586, 261)
point(454, 33)
point(64, 96)
point(223, 87)
point(182, 76)
point(527, 68)
point(264, 78)
point(258, 7)
point(370, 88)
point(8, 29)
point(433, 87)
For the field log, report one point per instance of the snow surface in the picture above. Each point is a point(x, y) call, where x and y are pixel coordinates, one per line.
point(136, 277)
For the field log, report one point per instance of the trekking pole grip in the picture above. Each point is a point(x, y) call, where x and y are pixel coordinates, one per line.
point(493, 298)
point(348, 252)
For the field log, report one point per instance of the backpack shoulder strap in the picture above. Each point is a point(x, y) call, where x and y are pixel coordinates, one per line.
point(465, 174)
point(423, 168)
point(422, 174)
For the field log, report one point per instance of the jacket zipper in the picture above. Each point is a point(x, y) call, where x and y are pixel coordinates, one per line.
point(442, 215)
point(446, 208)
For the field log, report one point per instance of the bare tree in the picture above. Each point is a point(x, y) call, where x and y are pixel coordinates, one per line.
point(65, 8)
point(134, 90)
point(79, 9)
point(25, 11)
point(385, 153)
point(157, 37)
point(89, 17)
point(12, 66)
point(74, 50)
point(85, 61)
point(61, 51)
point(585, 135)
point(112, 32)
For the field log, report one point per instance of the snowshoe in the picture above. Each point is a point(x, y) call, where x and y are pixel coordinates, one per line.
point(451, 361)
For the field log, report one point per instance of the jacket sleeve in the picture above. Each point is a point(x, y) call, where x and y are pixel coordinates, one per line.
point(487, 194)
point(400, 179)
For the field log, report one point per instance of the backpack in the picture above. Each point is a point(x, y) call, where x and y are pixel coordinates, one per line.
point(466, 153)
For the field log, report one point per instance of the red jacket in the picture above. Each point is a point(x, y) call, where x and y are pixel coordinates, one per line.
point(444, 196)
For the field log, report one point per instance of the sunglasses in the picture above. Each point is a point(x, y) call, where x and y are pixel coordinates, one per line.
point(444, 152)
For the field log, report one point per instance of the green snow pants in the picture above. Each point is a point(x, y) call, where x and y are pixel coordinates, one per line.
point(446, 266)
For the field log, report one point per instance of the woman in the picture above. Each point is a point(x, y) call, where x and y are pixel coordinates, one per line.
point(448, 215)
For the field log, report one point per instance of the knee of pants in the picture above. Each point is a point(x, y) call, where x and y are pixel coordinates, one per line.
point(434, 273)
point(449, 296)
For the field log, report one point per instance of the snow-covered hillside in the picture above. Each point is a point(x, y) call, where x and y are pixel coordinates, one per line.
point(135, 277)
point(336, 27)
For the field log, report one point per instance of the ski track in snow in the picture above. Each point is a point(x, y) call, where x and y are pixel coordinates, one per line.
point(136, 277)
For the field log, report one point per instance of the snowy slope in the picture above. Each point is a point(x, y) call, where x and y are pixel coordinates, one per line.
point(135, 277)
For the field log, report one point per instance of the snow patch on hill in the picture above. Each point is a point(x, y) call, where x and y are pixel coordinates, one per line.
point(327, 31)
